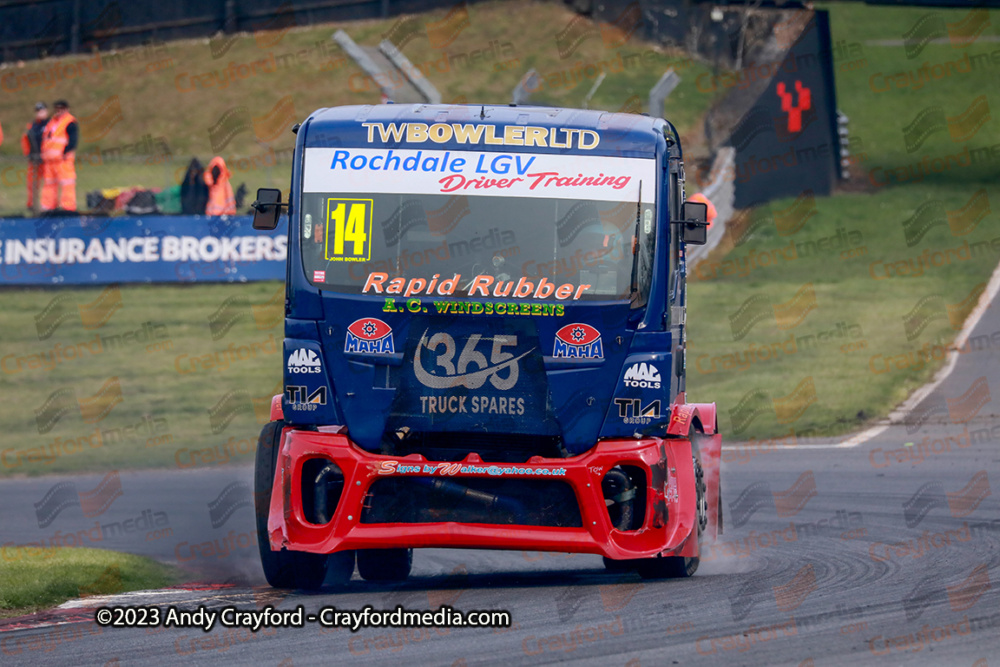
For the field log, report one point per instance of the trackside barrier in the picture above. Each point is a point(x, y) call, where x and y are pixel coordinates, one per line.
point(721, 192)
point(153, 249)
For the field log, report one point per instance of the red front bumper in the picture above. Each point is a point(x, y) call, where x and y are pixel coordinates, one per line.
point(669, 512)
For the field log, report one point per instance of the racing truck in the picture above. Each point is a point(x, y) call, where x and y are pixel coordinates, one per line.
point(484, 345)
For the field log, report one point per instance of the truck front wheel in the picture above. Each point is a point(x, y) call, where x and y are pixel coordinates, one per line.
point(285, 569)
point(672, 567)
point(385, 564)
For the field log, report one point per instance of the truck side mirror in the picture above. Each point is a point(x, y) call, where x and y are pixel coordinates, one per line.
point(266, 208)
point(694, 223)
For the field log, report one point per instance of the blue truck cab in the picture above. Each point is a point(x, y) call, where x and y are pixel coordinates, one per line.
point(484, 344)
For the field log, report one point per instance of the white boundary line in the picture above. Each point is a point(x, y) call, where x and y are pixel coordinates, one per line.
point(917, 397)
point(95, 601)
point(985, 299)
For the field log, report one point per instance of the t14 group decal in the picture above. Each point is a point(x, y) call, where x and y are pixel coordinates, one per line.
point(633, 411)
point(304, 400)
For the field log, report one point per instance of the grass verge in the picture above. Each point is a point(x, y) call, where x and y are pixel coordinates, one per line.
point(40, 580)
point(816, 333)
point(137, 376)
point(817, 316)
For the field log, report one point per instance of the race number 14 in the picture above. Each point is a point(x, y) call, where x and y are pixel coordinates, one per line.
point(349, 222)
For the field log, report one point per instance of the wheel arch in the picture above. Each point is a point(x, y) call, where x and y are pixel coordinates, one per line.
point(684, 416)
point(277, 414)
point(687, 419)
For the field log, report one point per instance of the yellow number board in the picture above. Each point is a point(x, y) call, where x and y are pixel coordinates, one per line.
point(349, 221)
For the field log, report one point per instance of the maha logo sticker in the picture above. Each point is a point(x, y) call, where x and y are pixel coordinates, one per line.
point(580, 341)
point(369, 335)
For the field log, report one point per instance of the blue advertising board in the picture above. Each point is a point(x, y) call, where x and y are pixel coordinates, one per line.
point(152, 249)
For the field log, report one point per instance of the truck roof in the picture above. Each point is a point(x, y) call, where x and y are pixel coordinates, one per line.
point(620, 134)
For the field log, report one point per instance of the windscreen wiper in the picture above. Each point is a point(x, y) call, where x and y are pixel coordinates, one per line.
point(634, 278)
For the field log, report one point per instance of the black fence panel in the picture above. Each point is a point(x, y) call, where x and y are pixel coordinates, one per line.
point(31, 29)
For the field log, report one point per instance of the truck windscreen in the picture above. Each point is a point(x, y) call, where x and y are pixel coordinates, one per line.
point(459, 235)
point(362, 243)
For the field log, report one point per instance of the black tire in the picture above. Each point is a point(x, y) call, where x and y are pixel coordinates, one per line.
point(282, 569)
point(668, 567)
point(385, 564)
point(340, 567)
point(680, 567)
point(612, 565)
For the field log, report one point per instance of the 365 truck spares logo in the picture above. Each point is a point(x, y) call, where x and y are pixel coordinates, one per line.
point(579, 341)
point(369, 335)
point(471, 370)
point(502, 370)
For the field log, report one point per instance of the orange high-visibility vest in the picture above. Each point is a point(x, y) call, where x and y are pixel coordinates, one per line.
point(698, 197)
point(55, 138)
point(221, 200)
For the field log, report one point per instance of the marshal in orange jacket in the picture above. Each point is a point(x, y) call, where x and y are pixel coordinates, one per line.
point(221, 200)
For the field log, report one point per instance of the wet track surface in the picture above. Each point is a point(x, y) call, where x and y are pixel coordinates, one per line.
point(878, 553)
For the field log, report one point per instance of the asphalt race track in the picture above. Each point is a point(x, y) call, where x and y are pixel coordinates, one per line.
point(879, 553)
